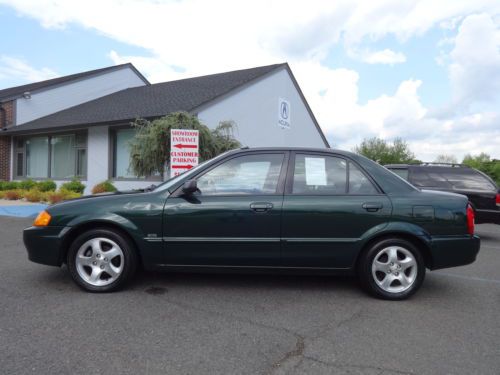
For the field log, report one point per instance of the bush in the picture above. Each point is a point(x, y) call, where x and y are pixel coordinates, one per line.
point(74, 185)
point(54, 197)
point(68, 194)
point(9, 185)
point(13, 195)
point(34, 195)
point(104, 187)
point(47, 185)
point(27, 184)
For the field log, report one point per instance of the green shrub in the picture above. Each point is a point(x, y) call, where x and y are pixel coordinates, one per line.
point(74, 185)
point(47, 185)
point(27, 184)
point(9, 185)
point(104, 187)
point(68, 194)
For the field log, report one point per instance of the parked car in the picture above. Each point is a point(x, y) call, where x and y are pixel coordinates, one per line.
point(281, 209)
point(482, 191)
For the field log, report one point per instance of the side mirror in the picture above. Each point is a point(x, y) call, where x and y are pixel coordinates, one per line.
point(189, 187)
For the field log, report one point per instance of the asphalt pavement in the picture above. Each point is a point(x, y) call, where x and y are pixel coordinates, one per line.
point(246, 324)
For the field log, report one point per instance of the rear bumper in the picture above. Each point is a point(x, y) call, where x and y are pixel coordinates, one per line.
point(488, 216)
point(454, 251)
point(44, 244)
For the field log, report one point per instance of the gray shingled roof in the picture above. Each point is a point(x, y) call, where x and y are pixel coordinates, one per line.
point(13, 92)
point(147, 101)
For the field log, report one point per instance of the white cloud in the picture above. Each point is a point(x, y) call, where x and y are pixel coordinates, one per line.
point(12, 67)
point(192, 37)
point(475, 61)
point(385, 56)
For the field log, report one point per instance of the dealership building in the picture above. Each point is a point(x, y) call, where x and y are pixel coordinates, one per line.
point(79, 125)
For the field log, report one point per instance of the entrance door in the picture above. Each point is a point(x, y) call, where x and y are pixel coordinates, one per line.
point(234, 219)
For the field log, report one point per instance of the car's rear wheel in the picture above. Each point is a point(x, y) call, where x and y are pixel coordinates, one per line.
point(101, 260)
point(392, 269)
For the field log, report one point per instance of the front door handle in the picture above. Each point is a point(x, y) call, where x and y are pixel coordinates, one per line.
point(372, 207)
point(261, 206)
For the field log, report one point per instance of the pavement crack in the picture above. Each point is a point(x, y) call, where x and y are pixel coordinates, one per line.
point(297, 352)
point(340, 365)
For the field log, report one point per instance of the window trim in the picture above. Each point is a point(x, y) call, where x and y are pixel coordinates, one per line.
point(49, 154)
point(291, 172)
point(280, 188)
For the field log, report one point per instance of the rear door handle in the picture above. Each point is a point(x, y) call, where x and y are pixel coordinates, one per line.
point(261, 206)
point(372, 207)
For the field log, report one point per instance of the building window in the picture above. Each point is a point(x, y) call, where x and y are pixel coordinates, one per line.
point(37, 157)
point(57, 156)
point(121, 165)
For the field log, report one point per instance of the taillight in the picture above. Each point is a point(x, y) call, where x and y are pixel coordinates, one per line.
point(470, 220)
point(497, 200)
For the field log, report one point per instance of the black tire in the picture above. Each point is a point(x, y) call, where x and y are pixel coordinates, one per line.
point(379, 249)
point(106, 237)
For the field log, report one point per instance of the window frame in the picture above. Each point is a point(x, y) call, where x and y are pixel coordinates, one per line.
point(24, 138)
point(112, 137)
point(280, 188)
point(291, 172)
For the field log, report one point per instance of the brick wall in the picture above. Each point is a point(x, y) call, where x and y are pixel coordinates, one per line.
point(6, 120)
point(5, 142)
point(7, 115)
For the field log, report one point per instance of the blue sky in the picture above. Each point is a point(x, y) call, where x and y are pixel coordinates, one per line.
point(426, 71)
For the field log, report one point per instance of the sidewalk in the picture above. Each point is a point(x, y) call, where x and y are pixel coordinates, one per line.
point(20, 208)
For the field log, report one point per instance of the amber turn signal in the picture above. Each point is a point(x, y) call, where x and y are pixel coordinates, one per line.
point(42, 220)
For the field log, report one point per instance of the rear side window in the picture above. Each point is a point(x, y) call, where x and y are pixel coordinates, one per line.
point(329, 175)
point(451, 179)
point(318, 174)
point(359, 183)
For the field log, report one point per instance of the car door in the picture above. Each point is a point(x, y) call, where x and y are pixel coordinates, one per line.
point(329, 204)
point(235, 217)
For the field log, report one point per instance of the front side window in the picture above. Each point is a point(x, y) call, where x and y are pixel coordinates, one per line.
point(244, 175)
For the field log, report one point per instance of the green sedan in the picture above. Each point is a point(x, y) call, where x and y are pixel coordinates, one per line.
point(283, 209)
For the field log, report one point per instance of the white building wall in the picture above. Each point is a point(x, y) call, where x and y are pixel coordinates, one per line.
point(68, 95)
point(255, 111)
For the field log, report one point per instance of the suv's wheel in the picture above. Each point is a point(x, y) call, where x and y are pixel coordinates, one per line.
point(392, 269)
point(101, 260)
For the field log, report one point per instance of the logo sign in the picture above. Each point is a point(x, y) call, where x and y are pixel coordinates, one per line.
point(183, 150)
point(284, 113)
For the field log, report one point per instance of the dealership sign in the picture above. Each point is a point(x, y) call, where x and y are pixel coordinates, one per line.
point(183, 150)
point(284, 113)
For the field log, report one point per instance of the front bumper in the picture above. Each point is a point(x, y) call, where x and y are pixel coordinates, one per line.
point(44, 244)
point(453, 251)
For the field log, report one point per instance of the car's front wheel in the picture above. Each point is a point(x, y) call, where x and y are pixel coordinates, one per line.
point(101, 260)
point(392, 269)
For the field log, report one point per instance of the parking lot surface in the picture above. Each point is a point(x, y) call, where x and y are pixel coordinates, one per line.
point(246, 324)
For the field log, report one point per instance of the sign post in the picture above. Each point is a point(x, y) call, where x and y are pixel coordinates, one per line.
point(183, 150)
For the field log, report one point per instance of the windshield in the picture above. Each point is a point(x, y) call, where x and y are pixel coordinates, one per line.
point(174, 180)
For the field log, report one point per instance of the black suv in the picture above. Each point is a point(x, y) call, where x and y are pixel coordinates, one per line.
point(482, 191)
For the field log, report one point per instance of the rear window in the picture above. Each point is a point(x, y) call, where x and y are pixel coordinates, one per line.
point(450, 179)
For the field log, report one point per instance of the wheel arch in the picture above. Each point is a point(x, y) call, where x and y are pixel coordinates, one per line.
point(83, 227)
point(422, 245)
